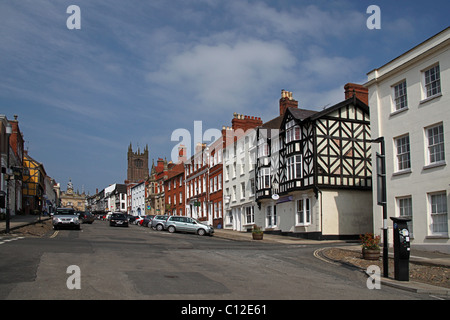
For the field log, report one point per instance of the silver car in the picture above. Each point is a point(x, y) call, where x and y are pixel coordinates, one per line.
point(158, 222)
point(65, 218)
point(186, 224)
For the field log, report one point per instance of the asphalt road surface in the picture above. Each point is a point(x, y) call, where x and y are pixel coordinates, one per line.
point(102, 262)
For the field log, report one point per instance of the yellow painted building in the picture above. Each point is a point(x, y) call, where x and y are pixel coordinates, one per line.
point(33, 185)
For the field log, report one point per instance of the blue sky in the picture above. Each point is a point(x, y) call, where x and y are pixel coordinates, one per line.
point(138, 70)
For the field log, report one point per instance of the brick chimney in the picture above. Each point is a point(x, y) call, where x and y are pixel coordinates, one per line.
point(243, 122)
point(361, 92)
point(182, 154)
point(287, 101)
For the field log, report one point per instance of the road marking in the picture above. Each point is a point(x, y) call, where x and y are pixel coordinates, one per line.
point(10, 240)
point(54, 234)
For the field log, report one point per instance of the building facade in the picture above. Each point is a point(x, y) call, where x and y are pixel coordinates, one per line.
point(313, 170)
point(72, 199)
point(16, 142)
point(196, 180)
point(137, 199)
point(409, 100)
point(33, 185)
point(155, 201)
point(174, 191)
point(239, 182)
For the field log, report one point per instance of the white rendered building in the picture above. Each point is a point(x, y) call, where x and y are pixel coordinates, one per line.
point(409, 100)
point(239, 182)
point(138, 199)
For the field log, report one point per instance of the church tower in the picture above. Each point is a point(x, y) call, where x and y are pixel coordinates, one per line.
point(137, 164)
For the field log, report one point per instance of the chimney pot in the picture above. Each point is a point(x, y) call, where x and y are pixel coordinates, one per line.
point(287, 101)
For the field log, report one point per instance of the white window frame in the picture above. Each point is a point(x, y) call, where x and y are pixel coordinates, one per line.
point(400, 96)
point(405, 209)
point(271, 217)
point(432, 81)
point(292, 131)
point(303, 213)
point(249, 215)
point(438, 210)
point(263, 148)
point(435, 144)
point(252, 187)
point(263, 175)
point(294, 167)
point(402, 153)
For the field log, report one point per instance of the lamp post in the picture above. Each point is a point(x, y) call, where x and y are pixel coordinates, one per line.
point(8, 216)
point(382, 199)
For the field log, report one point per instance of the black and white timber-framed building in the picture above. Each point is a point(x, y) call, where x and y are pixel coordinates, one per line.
point(313, 169)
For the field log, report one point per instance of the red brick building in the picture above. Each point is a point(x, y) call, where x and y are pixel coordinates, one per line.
point(174, 191)
point(196, 179)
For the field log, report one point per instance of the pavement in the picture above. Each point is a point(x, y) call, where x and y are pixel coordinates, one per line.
point(18, 221)
point(417, 256)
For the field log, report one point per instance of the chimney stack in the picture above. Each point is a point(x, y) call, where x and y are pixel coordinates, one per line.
point(182, 154)
point(244, 122)
point(287, 101)
point(361, 92)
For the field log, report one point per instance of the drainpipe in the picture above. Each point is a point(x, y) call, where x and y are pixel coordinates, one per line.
point(317, 191)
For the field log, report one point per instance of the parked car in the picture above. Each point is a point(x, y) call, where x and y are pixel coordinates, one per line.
point(138, 220)
point(86, 217)
point(118, 219)
point(65, 218)
point(159, 222)
point(186, 224)
point(147, 220)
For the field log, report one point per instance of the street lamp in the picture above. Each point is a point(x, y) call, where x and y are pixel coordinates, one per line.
point(8, 216)
point(382, 198)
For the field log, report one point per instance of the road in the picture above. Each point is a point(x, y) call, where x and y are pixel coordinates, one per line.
point(139, 263)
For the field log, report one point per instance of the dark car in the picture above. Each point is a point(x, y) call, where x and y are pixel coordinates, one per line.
point(86, 217)
point(131, 219)
point(148, 219)
point(118, 219)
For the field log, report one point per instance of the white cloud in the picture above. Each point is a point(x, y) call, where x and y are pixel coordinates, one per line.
point(326, 68)
point(294, 23)
point(226, 75)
